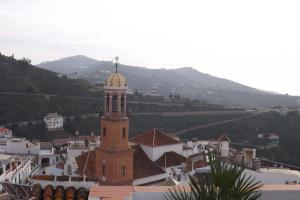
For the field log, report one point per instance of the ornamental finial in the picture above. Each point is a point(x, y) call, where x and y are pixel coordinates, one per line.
point(116, 59)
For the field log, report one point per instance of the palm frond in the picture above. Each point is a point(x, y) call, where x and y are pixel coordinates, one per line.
point(224, 182)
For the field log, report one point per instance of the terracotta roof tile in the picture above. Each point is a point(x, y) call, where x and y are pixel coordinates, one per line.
point(59, 192)
point(4, 130)
point(88, 165)
point(142, 165)
point(196, 161)
point(170, 159)
point(154, 137)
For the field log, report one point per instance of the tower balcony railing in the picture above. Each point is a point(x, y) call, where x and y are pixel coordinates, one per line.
point(115, 115)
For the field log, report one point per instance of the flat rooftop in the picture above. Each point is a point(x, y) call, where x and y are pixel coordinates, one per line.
point(269, 192)
point(5, 157)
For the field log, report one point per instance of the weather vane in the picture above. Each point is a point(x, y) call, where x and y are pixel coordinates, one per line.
point(116, 58)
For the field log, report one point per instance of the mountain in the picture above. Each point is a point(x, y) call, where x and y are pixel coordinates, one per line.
point(19, 76)
point(28, 93)
point(68, 65)
point(186, 81)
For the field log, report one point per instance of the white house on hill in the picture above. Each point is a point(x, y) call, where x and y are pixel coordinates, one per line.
point(5, 132)
point(54, 121)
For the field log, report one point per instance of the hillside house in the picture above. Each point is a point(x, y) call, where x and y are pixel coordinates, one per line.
point(5, 132)
point(54, 121)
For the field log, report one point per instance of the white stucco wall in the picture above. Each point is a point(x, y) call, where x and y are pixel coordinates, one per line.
point(187, 152)
point(272, 178)
point(224, 148)
point(72, 153)
point(264, 177)
point(150, 179)
point(266, 195)
point(20, 146)
point(54, 123)
point(76, 184)
point(53, 170)
point(156, 152)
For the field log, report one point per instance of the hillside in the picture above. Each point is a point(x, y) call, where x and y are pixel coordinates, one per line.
point(245, 132)
point(24, 96)
point(186, 81)
point(20, 76)
point(28, 93)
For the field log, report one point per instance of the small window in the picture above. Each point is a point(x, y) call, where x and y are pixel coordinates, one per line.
point(104, 131)
point(103, 169)
point(107, 103)
point(124, 132)
point(123, 171)
point(115, 104)
point(122, 104)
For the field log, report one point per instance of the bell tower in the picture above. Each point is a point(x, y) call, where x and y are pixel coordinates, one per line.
point(114, 157)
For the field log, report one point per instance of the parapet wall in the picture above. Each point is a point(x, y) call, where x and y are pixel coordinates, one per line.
point(66, 181)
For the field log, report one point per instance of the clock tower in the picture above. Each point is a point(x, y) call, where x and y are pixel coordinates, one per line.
point(114, 157)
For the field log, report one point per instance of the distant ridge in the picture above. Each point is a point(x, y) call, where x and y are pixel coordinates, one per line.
point(186, 81)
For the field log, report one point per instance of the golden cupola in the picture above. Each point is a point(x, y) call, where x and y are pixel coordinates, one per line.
point(115, 80)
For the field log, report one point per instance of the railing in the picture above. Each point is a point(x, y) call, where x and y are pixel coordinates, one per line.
point(64, 178)
point(269, 163)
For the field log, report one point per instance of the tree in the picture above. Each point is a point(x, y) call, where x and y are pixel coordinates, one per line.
point(224, 182)
point(26, 60)
point(30, 89)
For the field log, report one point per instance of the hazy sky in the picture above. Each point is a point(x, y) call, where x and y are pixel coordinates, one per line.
point(256, 43)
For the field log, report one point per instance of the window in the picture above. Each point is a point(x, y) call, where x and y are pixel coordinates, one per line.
point(107, 104)
point(123, 171)
point(124, 132)
point(103, 169)
point(103, 166)
point(115, 104)
point(122, 103)
point(104, 131)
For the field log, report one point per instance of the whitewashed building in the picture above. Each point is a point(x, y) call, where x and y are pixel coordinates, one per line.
point(54, 121)
point(5, 132)
point(15, 169)
point(73, 75)
point(249, 156)
point(22, 146)
point(223, 147)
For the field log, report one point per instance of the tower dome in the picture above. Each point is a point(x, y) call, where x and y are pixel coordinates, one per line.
point(116, 80)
